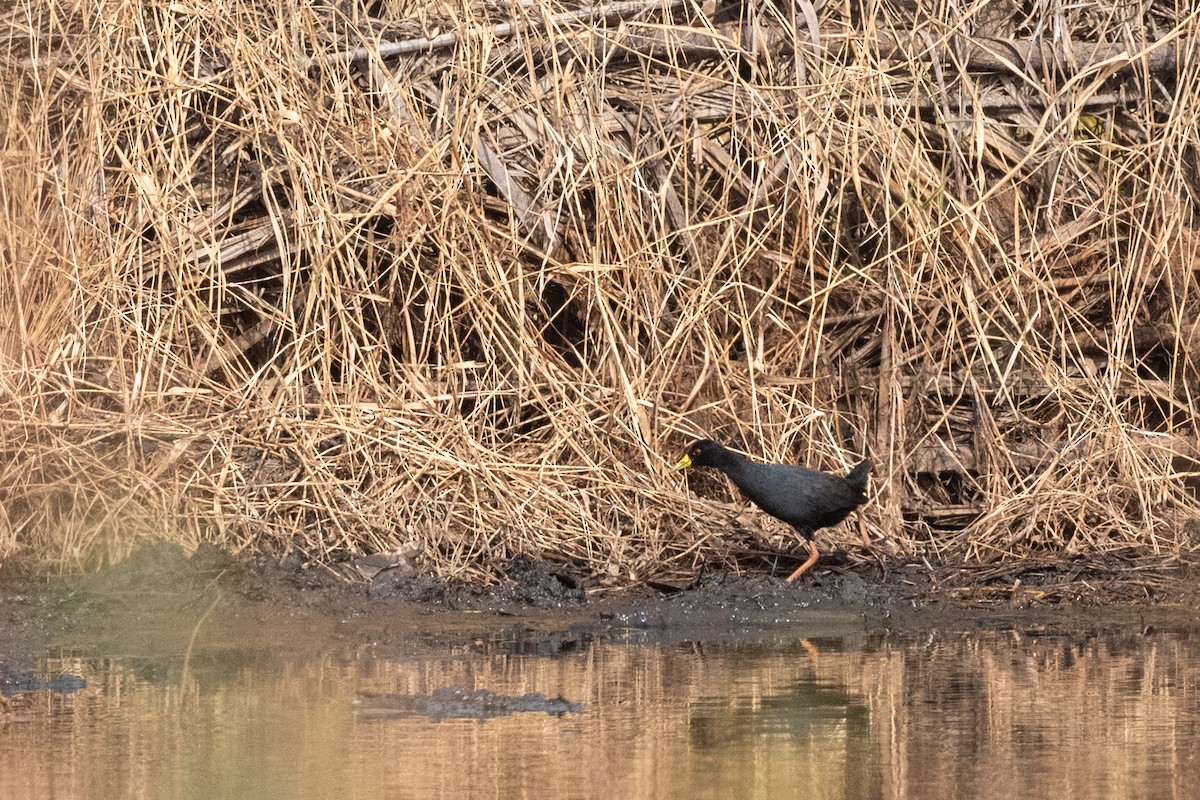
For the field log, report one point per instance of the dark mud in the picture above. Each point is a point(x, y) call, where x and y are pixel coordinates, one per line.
point(160, 598)
point(476, 704)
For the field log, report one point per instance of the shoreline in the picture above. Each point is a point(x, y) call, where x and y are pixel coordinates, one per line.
point(165, 599)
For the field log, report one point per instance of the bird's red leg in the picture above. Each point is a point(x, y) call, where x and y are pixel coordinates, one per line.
point(866, 536)
point(812, 559)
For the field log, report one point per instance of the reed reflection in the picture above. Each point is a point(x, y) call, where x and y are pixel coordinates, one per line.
point(595, 714)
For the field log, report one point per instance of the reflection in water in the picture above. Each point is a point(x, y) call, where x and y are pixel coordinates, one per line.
point(1069, 716)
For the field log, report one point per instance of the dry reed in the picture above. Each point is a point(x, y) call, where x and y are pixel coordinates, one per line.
point(338, 278)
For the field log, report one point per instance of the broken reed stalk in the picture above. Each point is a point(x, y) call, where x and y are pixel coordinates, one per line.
point(335, 283)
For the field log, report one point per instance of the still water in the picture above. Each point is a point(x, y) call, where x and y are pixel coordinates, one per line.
point(291, 713)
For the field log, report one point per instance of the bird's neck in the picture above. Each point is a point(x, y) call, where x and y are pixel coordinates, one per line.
point(729, 462)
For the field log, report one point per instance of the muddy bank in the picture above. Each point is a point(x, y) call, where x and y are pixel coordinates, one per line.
point(161, 599)
point(260, 678)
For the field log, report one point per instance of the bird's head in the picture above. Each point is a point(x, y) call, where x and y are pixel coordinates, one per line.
point(700, 453)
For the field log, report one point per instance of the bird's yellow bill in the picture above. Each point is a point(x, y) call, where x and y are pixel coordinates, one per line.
point(684, 462)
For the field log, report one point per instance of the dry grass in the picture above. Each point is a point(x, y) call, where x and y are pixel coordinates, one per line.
point(471, 275)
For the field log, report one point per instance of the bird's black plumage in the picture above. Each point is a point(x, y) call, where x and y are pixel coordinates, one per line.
point(804, 498)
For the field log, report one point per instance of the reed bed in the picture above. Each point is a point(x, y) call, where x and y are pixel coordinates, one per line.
point(468, 276)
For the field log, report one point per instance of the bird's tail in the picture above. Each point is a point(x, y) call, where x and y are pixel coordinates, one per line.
point(858, 476)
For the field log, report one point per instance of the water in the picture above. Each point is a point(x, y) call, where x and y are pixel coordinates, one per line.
point(277, 712)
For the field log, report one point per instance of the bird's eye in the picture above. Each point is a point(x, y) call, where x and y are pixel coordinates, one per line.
point(695, 451)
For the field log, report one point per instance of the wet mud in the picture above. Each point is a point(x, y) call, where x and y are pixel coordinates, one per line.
point(161, 598)
point(448, 703)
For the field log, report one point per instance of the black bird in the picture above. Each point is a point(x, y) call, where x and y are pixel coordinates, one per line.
point(803, 498)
